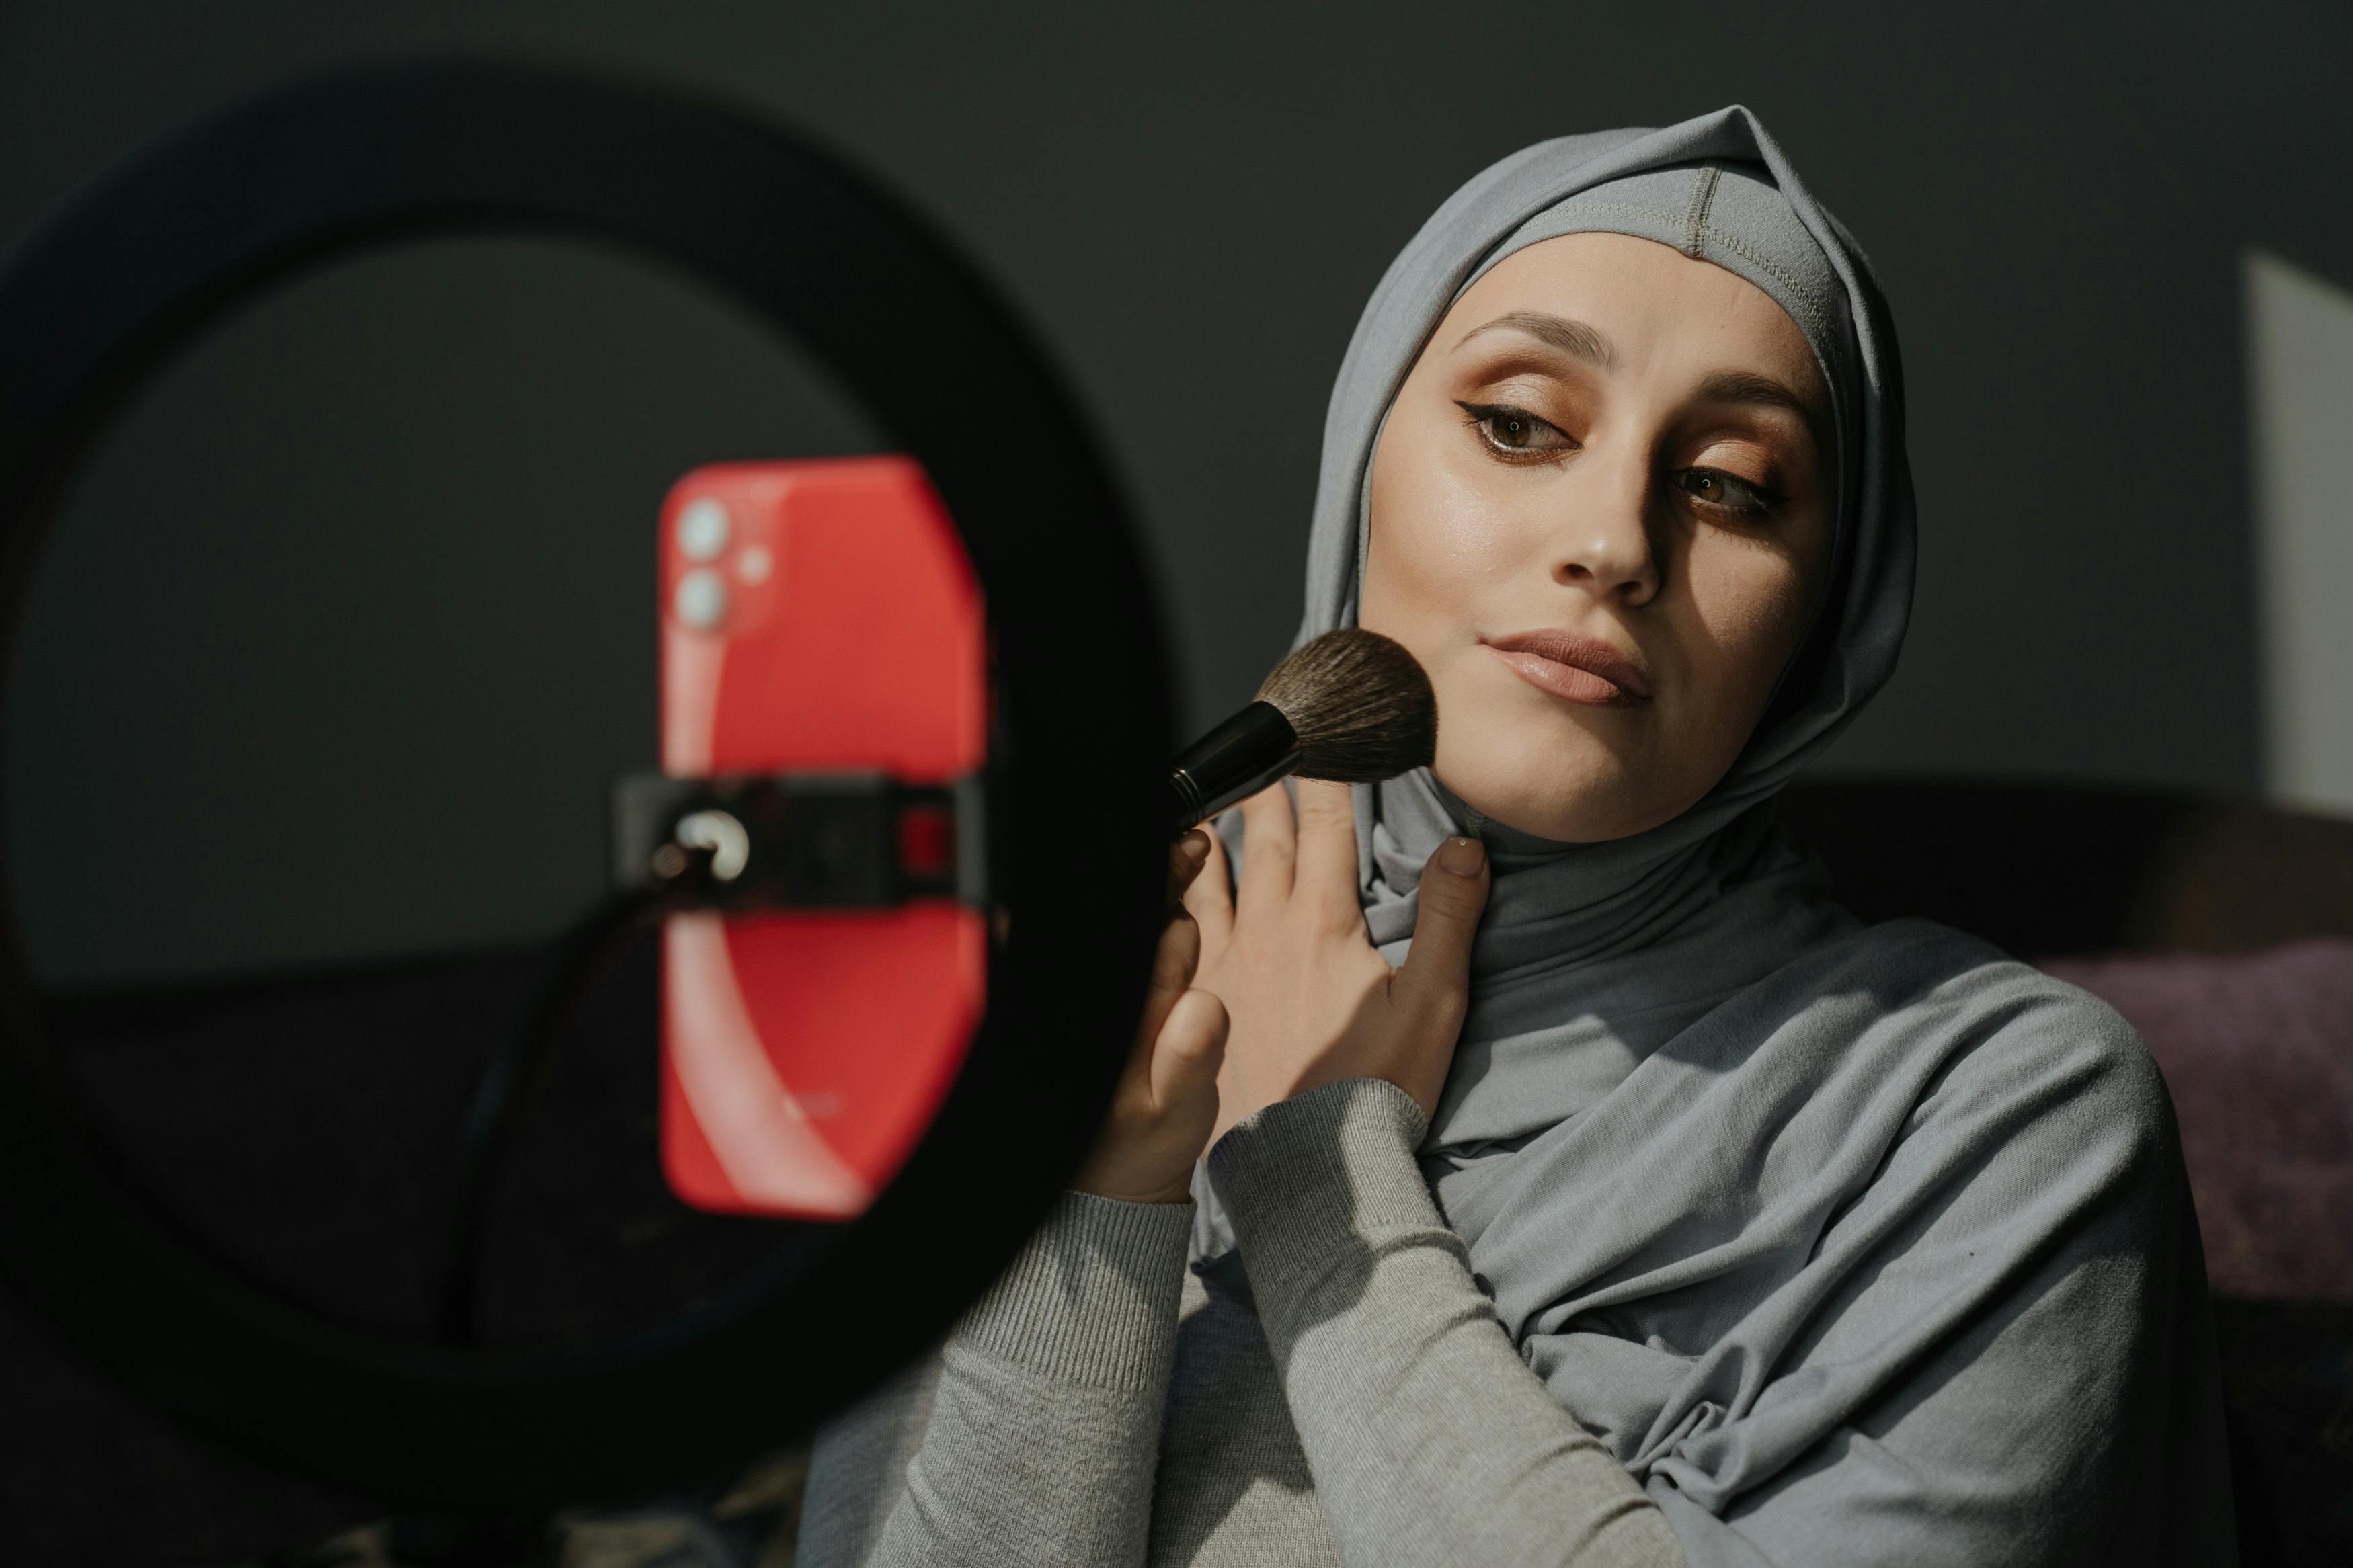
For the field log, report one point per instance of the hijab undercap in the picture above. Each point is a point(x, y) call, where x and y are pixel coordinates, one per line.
point(1855, 1244)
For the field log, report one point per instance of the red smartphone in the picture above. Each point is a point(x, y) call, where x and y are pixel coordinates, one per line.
point(817, 616)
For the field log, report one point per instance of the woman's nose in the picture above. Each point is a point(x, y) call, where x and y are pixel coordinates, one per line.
point(1605, 547)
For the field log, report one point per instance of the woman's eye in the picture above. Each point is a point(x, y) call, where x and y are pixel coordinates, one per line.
point(1514, 432)
point(1718, 488)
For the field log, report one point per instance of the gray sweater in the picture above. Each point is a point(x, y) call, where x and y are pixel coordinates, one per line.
point(1336, 1391)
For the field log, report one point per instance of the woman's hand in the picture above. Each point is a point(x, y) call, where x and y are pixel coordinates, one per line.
point(1310, 1000)
point(1166, 1102)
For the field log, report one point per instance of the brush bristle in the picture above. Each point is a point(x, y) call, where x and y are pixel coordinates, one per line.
point(1361, 705)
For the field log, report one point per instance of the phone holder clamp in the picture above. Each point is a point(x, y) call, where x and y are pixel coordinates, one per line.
point(803, 840)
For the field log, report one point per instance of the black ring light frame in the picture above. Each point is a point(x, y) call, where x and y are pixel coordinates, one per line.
point(166, 243)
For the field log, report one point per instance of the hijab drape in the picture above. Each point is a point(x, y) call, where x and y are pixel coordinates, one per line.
point(1856, 1245)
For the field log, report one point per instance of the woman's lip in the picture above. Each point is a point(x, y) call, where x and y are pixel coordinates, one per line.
point(1578, 668)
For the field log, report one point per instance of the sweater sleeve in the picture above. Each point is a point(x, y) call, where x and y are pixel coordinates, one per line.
point(1429, 1440)
point(1032, 1437)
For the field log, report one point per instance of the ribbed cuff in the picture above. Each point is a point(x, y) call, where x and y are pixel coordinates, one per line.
point(1092, 1296)
point(1310, 1179)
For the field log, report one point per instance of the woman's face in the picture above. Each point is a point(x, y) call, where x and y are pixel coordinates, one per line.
point(1600, 520)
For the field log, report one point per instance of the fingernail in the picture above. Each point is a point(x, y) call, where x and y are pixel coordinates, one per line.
point(1194, 847)
point(1463, 856)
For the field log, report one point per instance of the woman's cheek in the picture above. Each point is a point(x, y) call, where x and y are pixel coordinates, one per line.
point(1438, 548)
point(1747, 609)
point(1478, 519)
point(1454, 529)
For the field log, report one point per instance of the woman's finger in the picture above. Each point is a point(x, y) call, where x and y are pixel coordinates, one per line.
point(1327, 847)
point(1192, 1044)
point(1437, 971)
point(1185, 858)
point(1209, 898)
point(1270, 842)
point(1173, 963)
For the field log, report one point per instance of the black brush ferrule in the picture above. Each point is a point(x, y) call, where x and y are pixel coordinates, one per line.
point(1231, 763)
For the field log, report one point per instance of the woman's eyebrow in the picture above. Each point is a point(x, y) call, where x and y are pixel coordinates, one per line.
point(1572, 338)
point(1746, 386)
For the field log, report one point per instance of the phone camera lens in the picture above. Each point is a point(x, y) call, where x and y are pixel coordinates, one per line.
point(703, 528)
point(701, 600)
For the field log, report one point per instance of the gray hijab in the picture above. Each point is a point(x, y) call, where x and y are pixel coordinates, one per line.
point(1855, 1244)
point(1718, 189)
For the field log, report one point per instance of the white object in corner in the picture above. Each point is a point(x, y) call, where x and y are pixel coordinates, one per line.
point(2300, 386)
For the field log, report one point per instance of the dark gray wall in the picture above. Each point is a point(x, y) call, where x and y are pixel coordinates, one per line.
point(351, 623)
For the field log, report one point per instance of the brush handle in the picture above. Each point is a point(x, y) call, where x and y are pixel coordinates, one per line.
point(1231, 763)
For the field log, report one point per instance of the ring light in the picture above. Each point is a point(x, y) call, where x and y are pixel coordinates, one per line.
point(162, 247)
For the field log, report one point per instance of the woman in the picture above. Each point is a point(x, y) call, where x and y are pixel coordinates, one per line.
point(1650, 1210)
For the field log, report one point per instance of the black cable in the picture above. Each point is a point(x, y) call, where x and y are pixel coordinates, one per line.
point(518, 1072)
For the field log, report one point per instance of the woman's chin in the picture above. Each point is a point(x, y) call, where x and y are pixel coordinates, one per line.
point(1588, 811)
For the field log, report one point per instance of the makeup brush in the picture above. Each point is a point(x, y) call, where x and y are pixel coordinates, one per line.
point(1350, 706)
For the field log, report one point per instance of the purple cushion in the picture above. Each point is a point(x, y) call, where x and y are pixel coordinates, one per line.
point(2257, 1049)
